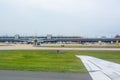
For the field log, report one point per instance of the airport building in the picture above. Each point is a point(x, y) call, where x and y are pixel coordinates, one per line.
point(56, 39)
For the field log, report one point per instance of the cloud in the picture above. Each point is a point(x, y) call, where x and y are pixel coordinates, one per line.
point(79, 16)
point(62, 5)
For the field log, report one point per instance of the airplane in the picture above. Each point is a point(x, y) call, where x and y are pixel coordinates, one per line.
point(100, 69)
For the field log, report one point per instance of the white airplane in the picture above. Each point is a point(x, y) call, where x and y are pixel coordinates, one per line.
point(100, 69)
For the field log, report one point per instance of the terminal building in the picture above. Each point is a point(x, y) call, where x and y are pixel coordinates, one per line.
point(55, 39)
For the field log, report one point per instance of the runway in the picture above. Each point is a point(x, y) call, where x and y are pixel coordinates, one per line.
point(23, 75)
point(31, 47)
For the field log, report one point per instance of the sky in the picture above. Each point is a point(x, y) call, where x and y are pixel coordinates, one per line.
point(87, 18)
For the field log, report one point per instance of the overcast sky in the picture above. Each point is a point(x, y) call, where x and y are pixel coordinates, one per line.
point(88, 18)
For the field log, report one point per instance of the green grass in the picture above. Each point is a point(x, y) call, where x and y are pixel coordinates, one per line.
point(49, 61)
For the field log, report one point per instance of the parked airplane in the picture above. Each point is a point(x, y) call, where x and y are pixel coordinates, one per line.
point(100, 69)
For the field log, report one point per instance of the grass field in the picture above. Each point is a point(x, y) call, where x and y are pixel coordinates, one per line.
point(50, 61)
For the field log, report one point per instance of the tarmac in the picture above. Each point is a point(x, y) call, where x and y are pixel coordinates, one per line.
point(24, 75)
point(31, 47)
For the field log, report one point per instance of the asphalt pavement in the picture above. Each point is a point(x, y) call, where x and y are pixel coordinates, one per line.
point(24, 75)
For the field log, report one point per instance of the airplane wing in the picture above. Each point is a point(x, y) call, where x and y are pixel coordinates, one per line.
point(100, 69)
